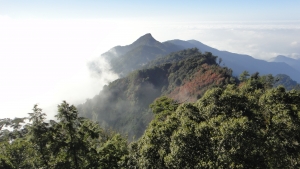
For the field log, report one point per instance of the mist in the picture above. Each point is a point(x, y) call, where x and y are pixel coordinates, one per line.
point(45, 61)
point(261, 40)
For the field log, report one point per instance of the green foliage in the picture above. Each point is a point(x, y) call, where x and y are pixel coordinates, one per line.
point(112, 152)
point(16, 129)
point(72, 142)
point(286, 81)
point(184, 76)
point(17, 154)
point(243, 77)
point(203, 118)
point(270, 81)
point(163, 105)
point(246, 126)
point(174, 57)
point(5, 162)
point(38, 135)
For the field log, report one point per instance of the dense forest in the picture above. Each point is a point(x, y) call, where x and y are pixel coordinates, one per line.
point(182, 110)
point(183, 76)
point(244, 125)
point(70, 142)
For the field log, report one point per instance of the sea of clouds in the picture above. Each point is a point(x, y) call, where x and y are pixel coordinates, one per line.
point(45, 61)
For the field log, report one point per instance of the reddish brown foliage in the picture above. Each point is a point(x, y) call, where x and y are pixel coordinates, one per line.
point(192, 89)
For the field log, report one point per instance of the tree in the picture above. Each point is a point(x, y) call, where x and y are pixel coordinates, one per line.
point(243, 76)
point(163, 105)
point(245, 126)
point(38, 135)
point(220, 61)
point(80, 143)
point(112, 152)
point(70, 142)
point(17, 154)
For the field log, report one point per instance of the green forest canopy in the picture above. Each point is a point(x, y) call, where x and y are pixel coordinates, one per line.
point(184, 76)
point(246, 125)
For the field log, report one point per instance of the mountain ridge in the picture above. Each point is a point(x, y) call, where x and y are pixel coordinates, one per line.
point(183, 76)
point(240, 62)
point(295, 63)
point(125, 59)
point(124, 104)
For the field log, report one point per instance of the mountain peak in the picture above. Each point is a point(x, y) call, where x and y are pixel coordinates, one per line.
point(281, 58)
point(146, 39)
point(147, 35)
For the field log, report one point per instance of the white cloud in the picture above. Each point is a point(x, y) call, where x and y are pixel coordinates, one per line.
point(44, 61)
point(4, 18)
point(261, 40)
point(294, 43)
point(295, 55)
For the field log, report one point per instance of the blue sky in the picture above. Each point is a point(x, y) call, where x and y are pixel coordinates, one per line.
point(193, 10)
point(45, 45)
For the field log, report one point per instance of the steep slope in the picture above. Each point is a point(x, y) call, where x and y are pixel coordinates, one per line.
point(238, 63)
point(286, 81)
point(183, 75)
point(123, 104)
point(295, 63)
point(124, 59)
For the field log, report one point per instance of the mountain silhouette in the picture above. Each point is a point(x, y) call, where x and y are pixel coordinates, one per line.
point(295, 63)
point(239, 62)
point(150, 69)
point(125, 59)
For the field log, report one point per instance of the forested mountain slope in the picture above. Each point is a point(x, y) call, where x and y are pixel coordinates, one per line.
point(239, 63)
point(184, 76)
point(244, 125)
point(286, 81)
point(181, 110)
point(249, 125)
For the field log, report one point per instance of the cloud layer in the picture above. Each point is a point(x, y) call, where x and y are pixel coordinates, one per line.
point(45, 61)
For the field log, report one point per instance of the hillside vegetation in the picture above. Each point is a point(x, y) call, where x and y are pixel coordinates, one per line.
point(184, 76)
point(246, 125)
point(169, 110)
point(123, 105)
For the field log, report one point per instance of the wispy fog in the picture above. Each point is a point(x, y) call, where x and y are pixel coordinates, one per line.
point(45, 61)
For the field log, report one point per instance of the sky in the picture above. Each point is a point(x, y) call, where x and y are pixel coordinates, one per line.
point(45, 45)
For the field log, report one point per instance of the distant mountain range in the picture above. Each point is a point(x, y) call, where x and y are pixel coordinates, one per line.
point(295, 63)
point(238, 62)
point(124, 59)
point(181, 70)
